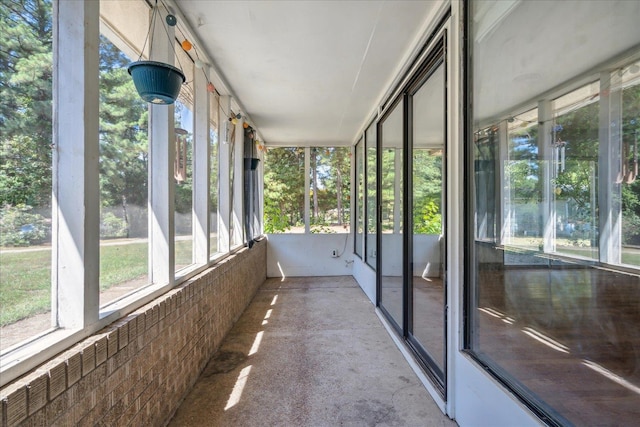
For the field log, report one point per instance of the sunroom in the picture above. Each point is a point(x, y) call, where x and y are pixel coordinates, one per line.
point(471, 165)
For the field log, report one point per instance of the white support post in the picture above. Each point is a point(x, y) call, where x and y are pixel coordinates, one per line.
point(224, 169)
point(545, 154)
point(609, 169)
point(76, 191)
point(201, 170)
point(307, 185)
point(161, 180)
point(238, 185)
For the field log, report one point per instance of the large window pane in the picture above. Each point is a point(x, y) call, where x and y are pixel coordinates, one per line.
point(574, 160)
point(523, 209)
point(427, 213)
point(555, 291)
point(330, 189)
point(630, 81)
point(26, 68)
point(214, 179)
point(123, 177)
point(183, 174)
point(359, 191)
point(284, 190)
point(391, 250)
point(371, 174)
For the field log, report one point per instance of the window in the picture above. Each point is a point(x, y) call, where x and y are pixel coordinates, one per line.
point(555, 284)
point(104, 232)
point(25, 170)
point(284, 190)
point(183, 174)
point(214, 178)
point(123, 178)
point(330, 189)
point(359, 192)
point(371, 174)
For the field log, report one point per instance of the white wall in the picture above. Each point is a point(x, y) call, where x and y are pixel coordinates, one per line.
point(366, 278)
point(426, 248)
point(481, 401)
point(292, 255)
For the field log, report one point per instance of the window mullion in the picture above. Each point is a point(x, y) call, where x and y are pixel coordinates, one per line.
point(224, 183)
point(610, 187)
point(307, 185)
point(545, 148)
point(161, 179)
point(201, 181)
point(76, 204)
point(238, 185)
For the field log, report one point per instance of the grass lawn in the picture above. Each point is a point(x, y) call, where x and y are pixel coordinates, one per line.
point(25, 277)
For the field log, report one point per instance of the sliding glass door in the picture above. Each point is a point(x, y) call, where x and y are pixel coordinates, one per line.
point(412, 206)
point(427, 241)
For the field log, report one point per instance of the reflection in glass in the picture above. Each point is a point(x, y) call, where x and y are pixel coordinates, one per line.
point(553, 312)
point(391, 250)
point(574, 160)
point(523, 204)
point(630, 80)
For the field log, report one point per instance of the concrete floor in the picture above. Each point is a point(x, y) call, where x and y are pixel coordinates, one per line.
point(309, 352)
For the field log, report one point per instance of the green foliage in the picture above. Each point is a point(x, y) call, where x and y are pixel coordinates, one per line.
point(427, 218)
point(123, 132)
point(283, 189)
point(112, 226)
point(25, 102)
point(19, 226)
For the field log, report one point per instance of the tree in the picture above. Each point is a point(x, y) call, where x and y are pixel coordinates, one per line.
point(25, 102)
point(283, 189)
point(123, 134)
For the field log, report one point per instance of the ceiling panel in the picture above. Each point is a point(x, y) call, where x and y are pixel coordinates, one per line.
point(307, 72)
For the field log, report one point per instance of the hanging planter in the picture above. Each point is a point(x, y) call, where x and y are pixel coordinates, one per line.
point(156, 82)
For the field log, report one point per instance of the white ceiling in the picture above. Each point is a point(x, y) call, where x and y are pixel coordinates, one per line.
point(308, 72)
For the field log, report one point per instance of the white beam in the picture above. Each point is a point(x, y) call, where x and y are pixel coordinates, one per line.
point(76, 191)
point(610, 160)
point(224, 159)
point(161, 180)
point(238, 185)
point(201, 161)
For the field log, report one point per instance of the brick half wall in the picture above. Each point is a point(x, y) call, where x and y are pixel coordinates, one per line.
point(137, 370)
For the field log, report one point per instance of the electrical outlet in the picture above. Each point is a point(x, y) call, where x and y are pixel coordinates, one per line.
point(334, 253)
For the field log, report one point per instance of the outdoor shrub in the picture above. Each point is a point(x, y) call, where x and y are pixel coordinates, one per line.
point(19, 226)
point(112, 226)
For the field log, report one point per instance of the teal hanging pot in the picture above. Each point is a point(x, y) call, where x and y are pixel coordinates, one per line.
point(156, 82)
